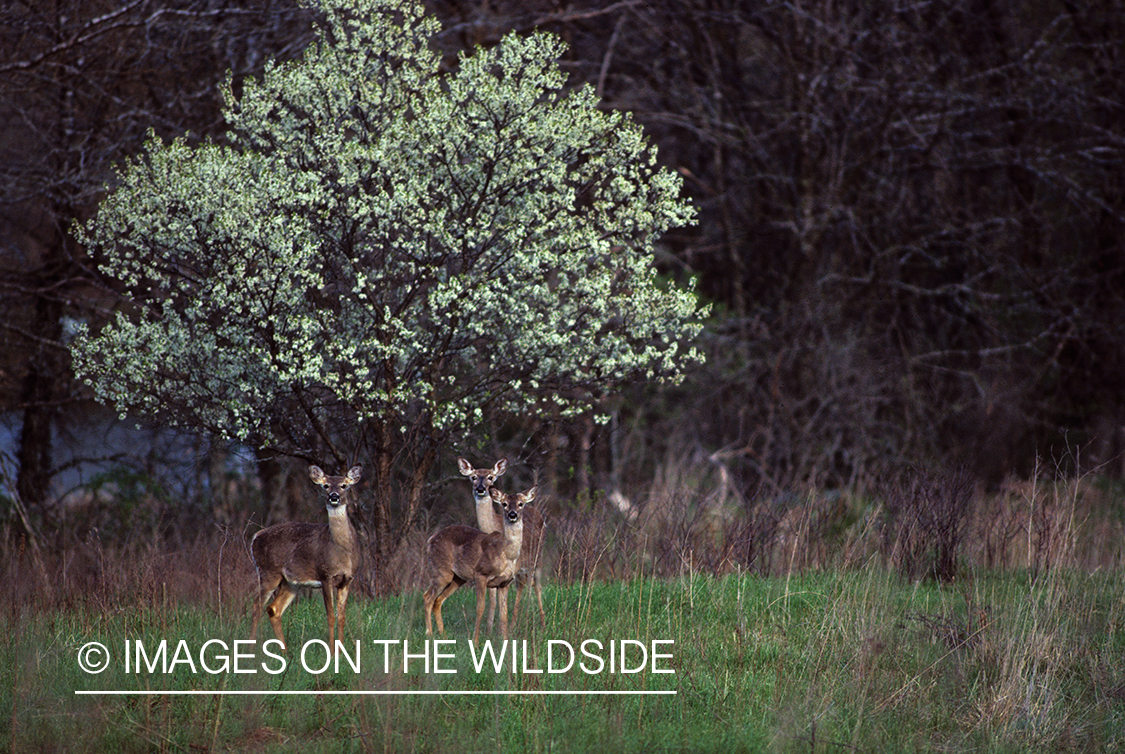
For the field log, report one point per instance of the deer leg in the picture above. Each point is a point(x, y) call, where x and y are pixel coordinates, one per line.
point(482, 589)
point(428, 606)
point(265, 590)
point(429, 601)
point(335, 592)
point(502, 598)
point(439, 594)
point(276, 608)
point(341, 606)
point(328, 590)
point(491, 608)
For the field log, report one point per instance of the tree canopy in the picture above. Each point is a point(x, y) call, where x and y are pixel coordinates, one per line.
point(414, 246)
point(381, 252)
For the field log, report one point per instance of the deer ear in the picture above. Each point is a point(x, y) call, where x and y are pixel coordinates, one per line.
point(316, 474)
point(465, 466)
point(354, 473)
point(500, 466)
point(497, 495)
point(528, 496)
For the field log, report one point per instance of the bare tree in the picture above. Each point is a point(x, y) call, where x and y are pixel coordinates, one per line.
point(80, 84)
point(912, 212)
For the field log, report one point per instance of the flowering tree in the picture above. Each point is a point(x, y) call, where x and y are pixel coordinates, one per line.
point(379, 253)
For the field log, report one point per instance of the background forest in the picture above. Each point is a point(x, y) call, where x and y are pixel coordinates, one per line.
point(911, 231)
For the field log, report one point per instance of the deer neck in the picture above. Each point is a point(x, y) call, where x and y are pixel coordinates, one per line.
point(513, 539)
point(487, 519)
point(339, 527)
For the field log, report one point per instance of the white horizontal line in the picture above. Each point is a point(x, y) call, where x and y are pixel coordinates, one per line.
point(197, 692)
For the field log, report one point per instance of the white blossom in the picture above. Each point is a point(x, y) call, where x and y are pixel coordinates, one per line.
point(406, 242)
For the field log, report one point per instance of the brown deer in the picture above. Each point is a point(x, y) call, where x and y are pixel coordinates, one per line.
point(489, 520)
point(298, 554)
point(459, 554)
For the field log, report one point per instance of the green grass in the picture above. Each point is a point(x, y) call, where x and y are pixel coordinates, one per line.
point(858, 661)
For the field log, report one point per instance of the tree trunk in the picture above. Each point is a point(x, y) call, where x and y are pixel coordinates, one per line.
point(417, 486)
point(39, 394)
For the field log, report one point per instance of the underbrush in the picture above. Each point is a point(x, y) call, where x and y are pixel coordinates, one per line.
point(860, 660)
point(922, 615)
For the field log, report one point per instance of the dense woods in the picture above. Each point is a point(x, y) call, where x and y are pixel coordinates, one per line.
point(911, 230)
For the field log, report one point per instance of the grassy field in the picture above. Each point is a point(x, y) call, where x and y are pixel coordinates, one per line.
point(856, 661)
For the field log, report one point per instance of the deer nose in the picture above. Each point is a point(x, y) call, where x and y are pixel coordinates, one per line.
point(512, 516)
point(334, 497)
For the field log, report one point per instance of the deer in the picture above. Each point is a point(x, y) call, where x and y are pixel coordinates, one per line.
point(299, 554)
point(489, 520)
point(459, 554)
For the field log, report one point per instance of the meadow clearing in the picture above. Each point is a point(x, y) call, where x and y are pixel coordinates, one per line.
point(857, 661)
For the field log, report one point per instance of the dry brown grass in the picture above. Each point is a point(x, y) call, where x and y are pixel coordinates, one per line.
point(689, 520)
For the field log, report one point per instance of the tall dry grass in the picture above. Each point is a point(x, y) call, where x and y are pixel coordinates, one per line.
point(689, 519)
point(812, 622)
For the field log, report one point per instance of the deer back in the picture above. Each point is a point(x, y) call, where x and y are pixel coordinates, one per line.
point(467, 552)
point(304, 553)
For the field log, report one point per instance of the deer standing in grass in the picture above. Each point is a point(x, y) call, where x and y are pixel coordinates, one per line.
point(489, 520)
point(298, 554)
point(459, 554)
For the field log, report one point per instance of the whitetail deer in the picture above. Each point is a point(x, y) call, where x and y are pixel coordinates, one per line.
point(489, 520)
point(459, 554)
point(298, 554)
